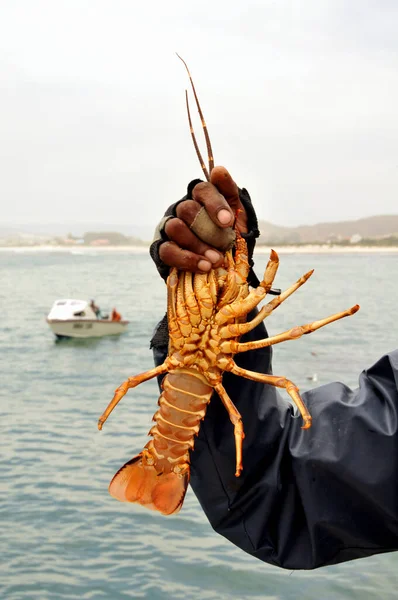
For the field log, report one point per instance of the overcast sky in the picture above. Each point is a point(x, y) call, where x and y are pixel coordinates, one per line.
point(300, 98)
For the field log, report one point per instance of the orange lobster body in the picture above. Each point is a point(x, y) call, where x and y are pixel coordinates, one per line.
point(206, 316)
point(158, 477)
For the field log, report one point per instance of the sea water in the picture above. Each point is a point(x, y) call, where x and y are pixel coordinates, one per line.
point(62, 536)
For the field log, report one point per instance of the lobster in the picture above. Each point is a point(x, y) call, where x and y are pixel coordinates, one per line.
point(206, 317)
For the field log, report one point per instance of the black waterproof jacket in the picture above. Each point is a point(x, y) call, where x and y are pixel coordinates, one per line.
point(305, 499)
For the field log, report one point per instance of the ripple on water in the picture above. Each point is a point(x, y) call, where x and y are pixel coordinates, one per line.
point(62, 535)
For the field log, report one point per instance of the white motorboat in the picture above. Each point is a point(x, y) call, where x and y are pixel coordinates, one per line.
point(78, 319)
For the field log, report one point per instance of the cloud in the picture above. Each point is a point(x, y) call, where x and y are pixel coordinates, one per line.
point(300, 100)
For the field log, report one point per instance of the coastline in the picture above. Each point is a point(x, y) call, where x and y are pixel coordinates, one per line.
point(307, 249)
point(327, 249)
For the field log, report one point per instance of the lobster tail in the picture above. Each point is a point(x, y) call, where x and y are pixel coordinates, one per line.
point(141, 483)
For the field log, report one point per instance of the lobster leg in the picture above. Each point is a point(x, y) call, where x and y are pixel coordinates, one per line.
point(174, 329)
point(191, 301)
point(236, 420)
point(131, 382)
point(240, 307)
point(238, 329)
point(232, 347)
point(280, 382)
point(270, 271)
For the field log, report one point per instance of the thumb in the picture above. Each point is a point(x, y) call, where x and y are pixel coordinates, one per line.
point(223, 181)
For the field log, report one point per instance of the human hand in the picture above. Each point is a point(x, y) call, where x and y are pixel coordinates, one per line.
point(184, 249)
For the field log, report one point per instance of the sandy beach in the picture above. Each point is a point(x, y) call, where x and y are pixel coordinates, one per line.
point(308, 249)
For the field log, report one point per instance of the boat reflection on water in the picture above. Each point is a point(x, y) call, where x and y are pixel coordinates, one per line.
point(82, 319)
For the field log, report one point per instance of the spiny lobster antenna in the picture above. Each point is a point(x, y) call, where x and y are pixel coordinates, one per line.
point(195, 143)
point(206, 133)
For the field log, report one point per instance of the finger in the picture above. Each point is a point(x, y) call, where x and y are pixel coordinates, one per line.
point(196, 217)
point(221, 199)
point(188, 211)
point(179, 232)
point(184, 260)
point(215, 204)
point(223, 181)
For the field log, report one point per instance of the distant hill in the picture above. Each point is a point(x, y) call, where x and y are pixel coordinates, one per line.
point(111, 238)
point(142, 232)
point(371, 227)
point(380, 226)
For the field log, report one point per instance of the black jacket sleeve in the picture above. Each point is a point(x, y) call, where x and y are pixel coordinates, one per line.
point(306, 498)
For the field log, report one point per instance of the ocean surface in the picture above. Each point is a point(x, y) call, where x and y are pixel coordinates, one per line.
point(61, 535)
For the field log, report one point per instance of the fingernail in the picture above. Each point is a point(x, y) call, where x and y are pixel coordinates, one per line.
point(224, 216)
point(213, 256)
point(204, 265)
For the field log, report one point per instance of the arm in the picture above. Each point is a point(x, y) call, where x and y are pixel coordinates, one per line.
point(310, 498)
point(305, 499)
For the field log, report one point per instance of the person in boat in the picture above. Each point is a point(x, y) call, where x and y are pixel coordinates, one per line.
point(115, 315)
point(96, 309)
point(305, 499)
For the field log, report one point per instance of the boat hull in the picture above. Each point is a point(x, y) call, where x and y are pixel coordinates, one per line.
point(86, 328)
